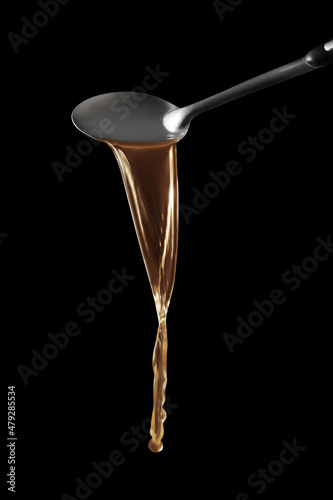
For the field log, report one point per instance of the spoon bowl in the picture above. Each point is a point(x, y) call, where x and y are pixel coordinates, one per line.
point(126, 117)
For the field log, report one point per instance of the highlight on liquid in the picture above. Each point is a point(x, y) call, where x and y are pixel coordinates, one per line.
point(149, 173)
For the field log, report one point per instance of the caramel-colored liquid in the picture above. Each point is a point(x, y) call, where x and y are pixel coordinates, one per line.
point(149, 173)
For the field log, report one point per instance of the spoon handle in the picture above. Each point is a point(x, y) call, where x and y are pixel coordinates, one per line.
point(320, 56)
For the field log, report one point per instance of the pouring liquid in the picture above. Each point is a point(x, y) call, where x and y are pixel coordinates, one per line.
point(149, 173)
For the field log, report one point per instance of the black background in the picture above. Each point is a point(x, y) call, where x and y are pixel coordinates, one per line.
point(64, 239)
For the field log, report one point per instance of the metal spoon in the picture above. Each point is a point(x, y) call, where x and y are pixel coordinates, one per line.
point(140, 117)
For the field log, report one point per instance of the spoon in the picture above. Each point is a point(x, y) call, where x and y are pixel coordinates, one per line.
point(140, 117)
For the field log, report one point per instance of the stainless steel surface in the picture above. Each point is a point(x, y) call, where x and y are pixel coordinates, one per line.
point(138, 117)
point(125, 117)
point(180, 118)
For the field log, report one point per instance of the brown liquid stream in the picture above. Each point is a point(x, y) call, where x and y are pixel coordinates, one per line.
point(149, 173)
